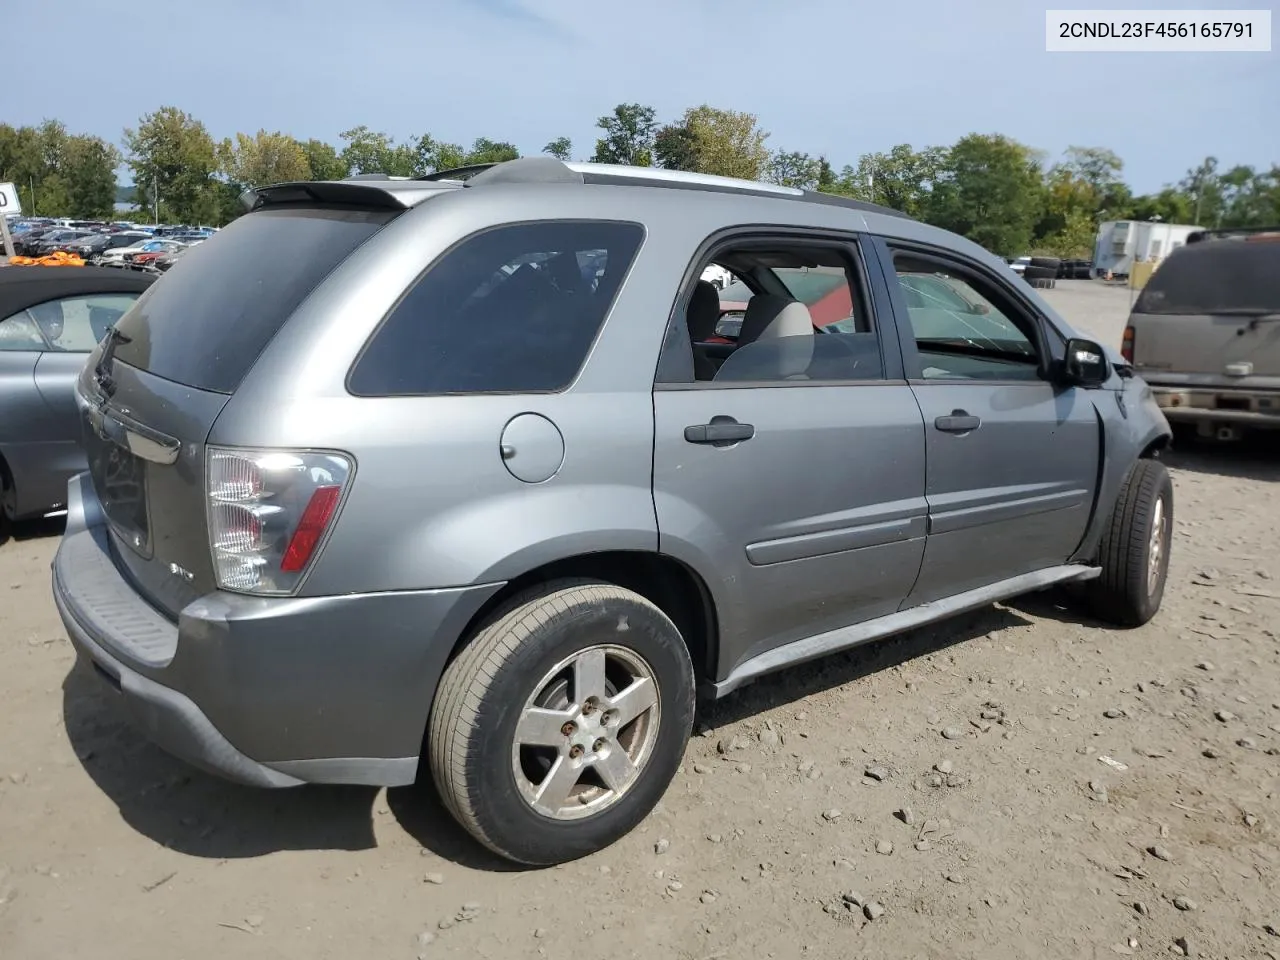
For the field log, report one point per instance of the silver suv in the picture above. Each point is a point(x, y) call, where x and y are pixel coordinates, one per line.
point(454, 474)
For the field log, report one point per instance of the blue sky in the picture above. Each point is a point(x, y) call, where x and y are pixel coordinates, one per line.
point(841, 78)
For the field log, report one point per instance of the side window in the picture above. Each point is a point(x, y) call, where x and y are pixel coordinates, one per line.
point(78, 324)
point(510, 310)
point(964, 327)
point(20, 333)
point(795, 313)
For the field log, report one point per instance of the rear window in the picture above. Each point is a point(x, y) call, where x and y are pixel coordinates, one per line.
point(514, 309)
point(215, 312)
point(1215, 277)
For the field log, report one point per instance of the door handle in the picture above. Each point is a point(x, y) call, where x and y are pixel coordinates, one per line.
point(721, 431)
point(960, 421)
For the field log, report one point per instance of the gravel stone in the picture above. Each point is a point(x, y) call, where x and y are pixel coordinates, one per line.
point(873, 910)
point(876, 773)
point(907, 816)
point(436, 878)
point(1210, 752)
point(1160, 853)
point(662, 846)
point(1113, 714)
point(832, 814)
point(853, 897)
point(952, 733)
point(884, 847)
point(1247, 742)
point(1225, 716)
point(770, 738)
point(1185, 903)
point(943, 766)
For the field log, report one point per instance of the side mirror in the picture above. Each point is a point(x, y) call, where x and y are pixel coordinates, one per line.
point(1085, 364)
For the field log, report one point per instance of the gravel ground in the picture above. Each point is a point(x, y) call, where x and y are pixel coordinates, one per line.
point(1017, 783)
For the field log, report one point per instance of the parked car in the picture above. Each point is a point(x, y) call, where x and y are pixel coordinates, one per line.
point(1205, 333)
point(49, 321)
point(94, 246)
point(353, 514)
point(120, 256)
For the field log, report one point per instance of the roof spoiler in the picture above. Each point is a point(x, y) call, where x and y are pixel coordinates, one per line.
point(371, 193)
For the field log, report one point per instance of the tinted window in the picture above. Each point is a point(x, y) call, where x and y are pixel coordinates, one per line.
point(963, 327)
point(1215, 276)
point(218, 308)
point(510, 310)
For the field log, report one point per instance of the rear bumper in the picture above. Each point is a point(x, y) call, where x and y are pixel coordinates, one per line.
point(1185, 404)
point(270, 692)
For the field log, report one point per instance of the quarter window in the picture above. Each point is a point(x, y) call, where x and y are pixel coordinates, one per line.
point(963, 326)
point(510, 310)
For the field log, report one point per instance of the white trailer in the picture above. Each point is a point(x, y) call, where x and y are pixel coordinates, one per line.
point(1122, 243)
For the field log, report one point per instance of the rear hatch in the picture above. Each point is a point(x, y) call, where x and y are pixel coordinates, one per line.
point(1211, 314)
point(150, 393)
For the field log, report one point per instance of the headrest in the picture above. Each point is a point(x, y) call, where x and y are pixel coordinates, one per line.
point(769, 316)
point(704, 312)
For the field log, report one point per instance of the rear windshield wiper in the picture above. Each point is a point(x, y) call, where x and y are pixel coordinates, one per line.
point(100, 374)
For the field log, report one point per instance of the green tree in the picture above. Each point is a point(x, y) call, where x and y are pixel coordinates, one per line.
point(1204, 190)
point(561, 148)
point(89, 169)
point(484, 150)
point(323, 161)
point(264, 158)
point(728, 143)
point(989, 190)
point(826, 176)
point(628, 135)
point(170, 152)
point(793, 169)
point(1170, 205)
point(369, 151)
point(901, 179)
point(431, 155)
point(674, 147)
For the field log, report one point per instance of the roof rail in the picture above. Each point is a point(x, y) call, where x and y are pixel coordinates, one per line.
point(1230, 233)
point(543, 169)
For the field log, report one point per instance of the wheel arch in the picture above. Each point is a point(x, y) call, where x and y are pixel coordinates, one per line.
point(670, 584)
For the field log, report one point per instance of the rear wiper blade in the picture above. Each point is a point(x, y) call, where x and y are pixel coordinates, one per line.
point(100, 374)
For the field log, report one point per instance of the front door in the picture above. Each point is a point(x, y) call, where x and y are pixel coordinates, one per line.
point(1012, 458)
point(793, 477)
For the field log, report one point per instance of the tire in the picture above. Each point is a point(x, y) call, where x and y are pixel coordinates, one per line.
point(488, 783)
point(1046, 263)
point(1129, 591)
point(1041, 283)
point(1039, 273)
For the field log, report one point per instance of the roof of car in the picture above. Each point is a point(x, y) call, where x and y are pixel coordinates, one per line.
point(400, 192)
point(22, 287)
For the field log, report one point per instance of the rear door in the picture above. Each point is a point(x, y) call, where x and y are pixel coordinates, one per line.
point(154, 389)
point(800, 493)
point(1012, 458)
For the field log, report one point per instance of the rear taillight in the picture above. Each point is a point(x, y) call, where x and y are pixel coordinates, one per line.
point(1126, 345)
point(269, 511)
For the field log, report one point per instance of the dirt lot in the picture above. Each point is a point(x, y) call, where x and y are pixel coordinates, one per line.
point(1110, 793)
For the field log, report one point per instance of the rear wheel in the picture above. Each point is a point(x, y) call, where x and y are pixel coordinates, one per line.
point(1135, 547)
point(562, 722)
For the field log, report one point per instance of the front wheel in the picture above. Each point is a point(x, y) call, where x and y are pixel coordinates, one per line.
point(560, 725)
point(1135, 547)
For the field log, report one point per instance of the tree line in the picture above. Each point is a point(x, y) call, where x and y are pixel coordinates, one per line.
point(1005, 195)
